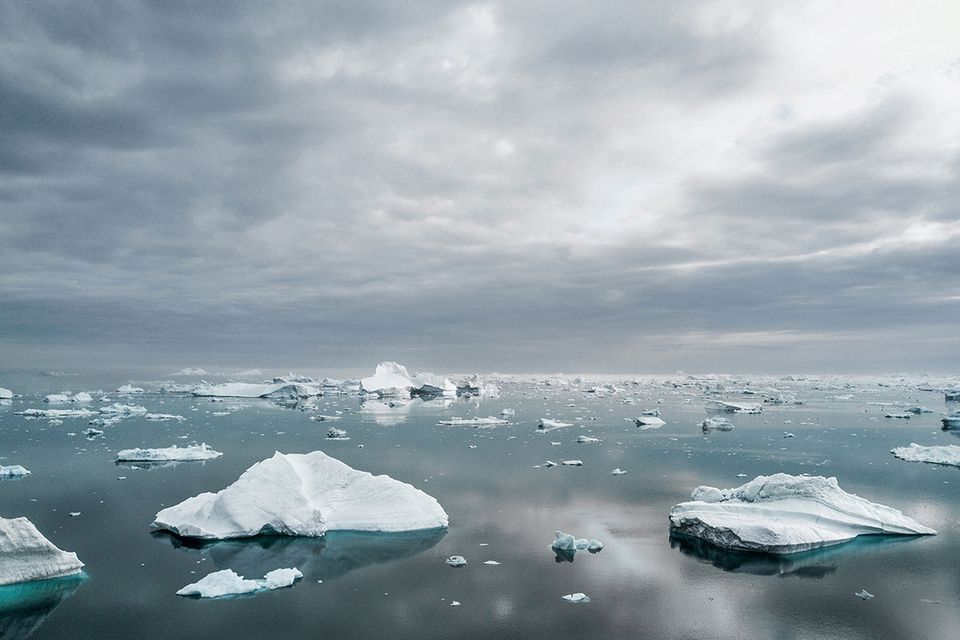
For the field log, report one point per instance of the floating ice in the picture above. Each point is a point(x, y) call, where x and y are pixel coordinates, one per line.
point(863, 594)
point(5, 394)
point(491, 563)
point(228, 583)
point(92, 433)
point(392, 379)
point(785, 514)
point(577, 598)
point(617, 472)
point(26, 555)
point(456, 561)
point(716, 423)
point(946, 454)
point(322, 418)
point(163, 417)
point(336, 434)
point(900, 416)
point(13, 471)
point(508, 412)
point(587, 440)
point(572, 463)
point(649, 422)
point(282, 388)
point(952, 420)
point(119, 409)
point(63, 398)
point(188, 453)
point(56, 413)
point(735, 407)
point(303, 495)
point(474, 422)
point(127, 389)
point(566, 542)
point(546, 425)
point(473, 386)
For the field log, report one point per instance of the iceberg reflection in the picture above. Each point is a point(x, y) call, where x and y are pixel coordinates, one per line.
point(24, 606)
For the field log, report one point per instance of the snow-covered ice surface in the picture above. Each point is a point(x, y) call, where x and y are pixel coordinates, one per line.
point(785, 514)
point(25, 554)
point(303, 495)
point(190, 452)
point(228, 583)
point(948, 454)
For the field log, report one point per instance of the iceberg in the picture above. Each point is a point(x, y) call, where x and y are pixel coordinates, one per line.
point(946, 454)
point(228, 583)
point(785, 514)
point(473, 386)
point(392, 379)
point(63, 398)
point(545, 425)
point(716, 423)
point(26, 555)
point(128, 389)
point(163, 417)
point(649, 422)
point(303, 495)
point(735, 407)
point(190, 452)
point(577, 598)
point(13, 471)
point(952, 420)
point(587, 440)
point(279, 389)
point(617, 472)
point(119, 409)
point(456, 561)
point(336, 434)
point(572, 463)
point(566, 542)
point(56, 413)
point(5, 394)
point(951, 395)
point(474, 422)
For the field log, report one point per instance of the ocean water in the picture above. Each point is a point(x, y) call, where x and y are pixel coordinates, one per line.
point(502, 507)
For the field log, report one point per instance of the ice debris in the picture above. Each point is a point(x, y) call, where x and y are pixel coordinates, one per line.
point(56, 413)
point(336, 434)
point(128, 389)
point(188, 453)
point(577, 598)
point(303, 495)
point(649, 422)
point(26, 555)
point(13, 471)
point(617, 472)
point(392, 379)
point(952, 420)
point(735, 407)
point(945, 454)
point(782, 513)
point(716, 423)
point(572, 463)
point(228, 583)
point(473, 422)
point(456, 561)
point(566, 542)
point(863, 594)
point(587, 440)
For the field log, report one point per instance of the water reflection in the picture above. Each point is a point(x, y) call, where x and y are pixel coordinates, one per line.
point(24, 607)
point(333, 555)
point(391, 412)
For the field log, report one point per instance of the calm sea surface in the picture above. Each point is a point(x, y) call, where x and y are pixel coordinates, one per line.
point(502, 507)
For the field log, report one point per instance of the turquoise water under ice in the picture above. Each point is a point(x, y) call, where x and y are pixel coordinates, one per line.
point(501, 507)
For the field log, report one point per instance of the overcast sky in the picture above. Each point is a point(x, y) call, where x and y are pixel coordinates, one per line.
point(517, 186)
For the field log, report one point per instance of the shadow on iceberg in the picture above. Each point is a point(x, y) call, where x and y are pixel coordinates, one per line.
point(24, 606)
point(813, 565)
point(335, 554)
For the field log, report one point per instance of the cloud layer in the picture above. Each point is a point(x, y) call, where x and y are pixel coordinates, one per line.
point(518, 186)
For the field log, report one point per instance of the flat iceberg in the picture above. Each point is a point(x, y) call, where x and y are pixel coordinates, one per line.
point(649, 422)
point(577, 598)
point(546, 425)
point(735, 407)
point(190, 452)
point(26, 555)
point(474, 422)
point(392, 379)
point(279, 389)
point(56, 413)
point(785, 514)
point(228, 583)
point(946, 454)
point(128, 389)
point(13, 471)
point(303, 495)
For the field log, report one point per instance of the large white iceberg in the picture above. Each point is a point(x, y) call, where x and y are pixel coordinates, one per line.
point(190, 452)
point(392, 379)
point(948, 454)
point(228, 583)
point(303, 495)
point(26, 555)
point(785, 514)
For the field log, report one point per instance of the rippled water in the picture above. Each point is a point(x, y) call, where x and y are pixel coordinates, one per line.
point(502, 507)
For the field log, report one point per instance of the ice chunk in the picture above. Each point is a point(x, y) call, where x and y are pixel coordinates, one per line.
point(5, 394)
point(228, 583)
point(951, 395)
point(26, 555)
point(577, 598)
point(735, 407)
point(952, 420)
point(473, 422)
point(163, 417)
point(57, 398)
point(566, 542)
point(945, 454)
point(617, 472)
point(303, 495)
point(336, 434)
point(649, 422)
point(546, 425)
point(190, 452)
point(322, 418)
point(128, 389)
point(572, 463)
point(13, 471)
point(473, 386)
point(92, 433)
point(456, 561)
point(716, 423)
point(392, 379)
point(119, 409)
point(56, 413)
point(508, 412)
point(900, 416)
point(863, 594)
point(587, 440)
point(785, 514)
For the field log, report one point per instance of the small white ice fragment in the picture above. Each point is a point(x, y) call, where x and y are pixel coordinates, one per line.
point(572, 463)
point(587, 440)
point(456, 561)
point(578, 598)
point(863, 594)
point(491, 563)
point(617, 472)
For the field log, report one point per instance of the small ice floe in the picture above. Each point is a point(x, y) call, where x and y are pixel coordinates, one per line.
point(587, 440)
point(952, 420)
point(56, 413)
point(92, 433)
point(617, 472)
point(169, 454)
point(336, 434)
point(455, 603)
point(473, 422)
point(948, 454)
point(577, 598)
point(26, 555)
point(651, 412)
point(323, 418)
point(456, 561)
point(64, 398)
point(228, 583)
point(546, 425)
point(5, 394)
point(163, 417)
point(735, 407)
point(787, 434)
point(303, 495)
point(649, 422)
point(128, 389)
point(716, 423)
point(899, 416)
point(74, 514)
point(572, 463)
point(863, 594)
point(549, 463)
point(491, 563)
point(783, 514)
point(508, 412)
point(120, 409)
point(565, 545)
point(13, 471)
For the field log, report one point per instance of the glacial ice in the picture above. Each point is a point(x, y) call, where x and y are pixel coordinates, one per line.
point(649, 422)
point(281, 389)
point(188, 453)
point(951, 420)
point(13, 471)
point(392, 379)
point(716, 423)
point(5, 394)
point(56, 413)
point(303, 495)
point(785, 514)
point(128, 389)
point(26, 555)
point(336, 434)
point(473, 422)
point(735, 407)
point(945, 454)
point(566, 542)
point(228, 583)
